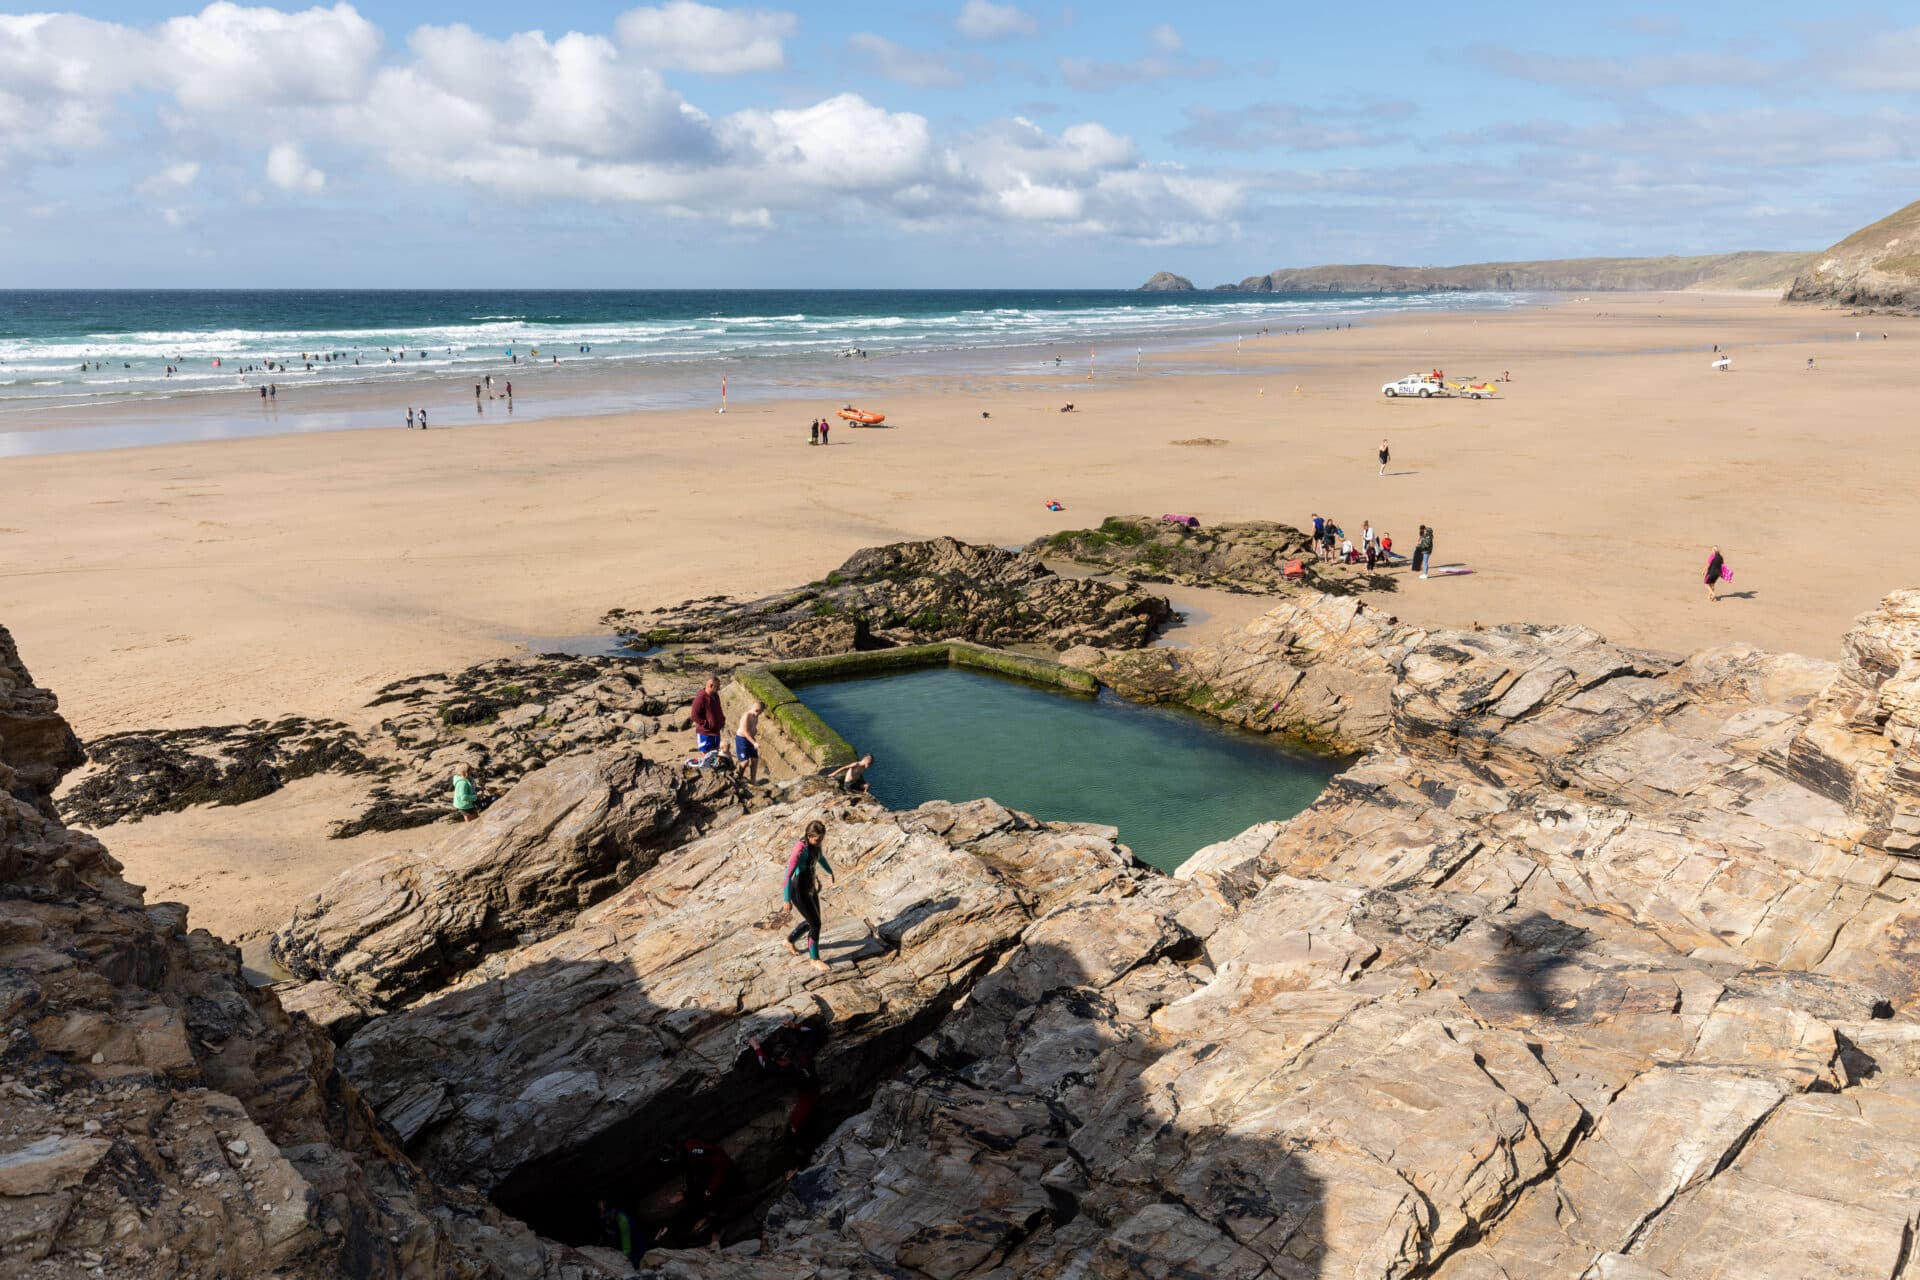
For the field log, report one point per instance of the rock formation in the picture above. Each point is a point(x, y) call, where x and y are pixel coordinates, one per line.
point(505, 718)
point(564, 1064)
point(148, 771)
point(1877, 267)
point(1321, 668)
point(1861, 746)
point(910, 593)
point(571, 834)
point(1250, 555)
point(1166, 282)
point(1597, 963)
point(158, 1118)
point(1747, 270)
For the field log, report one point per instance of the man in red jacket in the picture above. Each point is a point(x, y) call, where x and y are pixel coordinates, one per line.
point(709, 720)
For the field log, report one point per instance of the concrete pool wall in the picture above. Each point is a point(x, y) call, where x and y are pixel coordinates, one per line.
point(794, 740)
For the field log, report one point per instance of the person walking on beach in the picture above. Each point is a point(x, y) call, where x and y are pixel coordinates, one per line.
point(746, 741)
point(1716, 566)
point(825, 425)
point(803, 890)
point(1385, 454)
point(409, 417)
point(813, 432)
point(708, 718)
point(1424, 550)
point(423, 419)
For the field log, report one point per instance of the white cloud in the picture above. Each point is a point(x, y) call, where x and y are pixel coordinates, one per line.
point(918, 67)
point(175, 177)
point(1164, 38)
point(228, 56)
point(686, 36)
point(985, 20)
point(1889, 62)
point(572, 116)
point(288, 169)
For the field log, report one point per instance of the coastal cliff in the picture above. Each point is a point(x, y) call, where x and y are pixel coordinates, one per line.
point(1593, 958)
point(1876, 267)
point(1746, 270)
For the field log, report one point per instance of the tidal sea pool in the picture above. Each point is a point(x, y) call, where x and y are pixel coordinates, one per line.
point(1172, 781)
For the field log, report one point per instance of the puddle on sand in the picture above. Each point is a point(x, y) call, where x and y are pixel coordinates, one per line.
point(257, 965)
point(599, 644)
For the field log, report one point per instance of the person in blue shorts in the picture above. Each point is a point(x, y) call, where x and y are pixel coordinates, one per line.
point(746, 741)
point(709, 720)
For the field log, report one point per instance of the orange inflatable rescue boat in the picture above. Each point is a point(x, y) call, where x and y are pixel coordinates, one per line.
point(860, 417)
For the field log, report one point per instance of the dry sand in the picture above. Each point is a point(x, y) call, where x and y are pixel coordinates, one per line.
point(204, 583)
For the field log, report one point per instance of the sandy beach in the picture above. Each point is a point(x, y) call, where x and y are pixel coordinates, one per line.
point(215, 582)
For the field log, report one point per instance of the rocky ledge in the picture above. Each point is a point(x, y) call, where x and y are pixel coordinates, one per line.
point(1595, 959)
point(510, 716)
point(1248, 556)
point(161, 1119)
point(912, 593)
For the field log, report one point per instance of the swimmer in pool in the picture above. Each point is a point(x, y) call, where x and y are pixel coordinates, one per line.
point(856, 774)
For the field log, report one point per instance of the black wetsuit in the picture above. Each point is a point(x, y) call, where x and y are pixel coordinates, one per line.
point(803, 892)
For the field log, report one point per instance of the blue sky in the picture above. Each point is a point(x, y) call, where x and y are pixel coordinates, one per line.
point(959, 143)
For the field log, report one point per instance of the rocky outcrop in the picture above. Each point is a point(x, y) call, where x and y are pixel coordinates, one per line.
point(1249, 556)
point(911, 593)
point(1594, 959)
point(37, 747)
point(149, 771)
point(1746, 270)
point(1166, 282)
point(564, 1064)
point(1876, 267)
point(158, 1118)
point(1861, 745)
point(1322, 668)
point(503, 718)
point(571, 834)
point(1562, 979)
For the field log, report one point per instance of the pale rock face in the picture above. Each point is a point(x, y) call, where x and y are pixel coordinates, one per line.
point(571, 834)
point(1861, 746)
point(159, 1119)
point(1587, 967)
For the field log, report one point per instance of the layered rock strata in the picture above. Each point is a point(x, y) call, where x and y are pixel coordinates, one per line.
point(1250, 556)
point(912, 593)
point(158, 1118)
point(1594, 960)
point(402, 925)
point(566, 1063)
point(1876, 267)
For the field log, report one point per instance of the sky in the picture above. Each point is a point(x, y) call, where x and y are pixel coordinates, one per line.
point(955, 143)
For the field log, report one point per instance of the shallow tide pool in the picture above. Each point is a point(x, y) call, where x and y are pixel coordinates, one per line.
point(1171, 781)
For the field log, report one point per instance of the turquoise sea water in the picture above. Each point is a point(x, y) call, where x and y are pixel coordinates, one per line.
point(1170, 780)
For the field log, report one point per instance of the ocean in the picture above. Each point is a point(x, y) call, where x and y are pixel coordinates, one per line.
point(78, 359)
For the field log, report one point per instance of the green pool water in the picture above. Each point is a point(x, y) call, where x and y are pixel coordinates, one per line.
point(1172, 781)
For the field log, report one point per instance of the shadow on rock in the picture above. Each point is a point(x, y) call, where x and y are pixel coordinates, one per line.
point(1036, 1134)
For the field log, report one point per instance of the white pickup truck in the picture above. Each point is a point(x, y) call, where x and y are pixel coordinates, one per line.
point(1415, 385)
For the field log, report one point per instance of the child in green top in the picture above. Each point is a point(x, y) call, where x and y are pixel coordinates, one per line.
point(466, 796)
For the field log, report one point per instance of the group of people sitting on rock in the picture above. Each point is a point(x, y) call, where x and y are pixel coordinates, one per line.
point(1332, 544)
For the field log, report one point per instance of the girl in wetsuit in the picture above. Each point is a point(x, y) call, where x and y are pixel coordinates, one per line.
point(803, 889)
